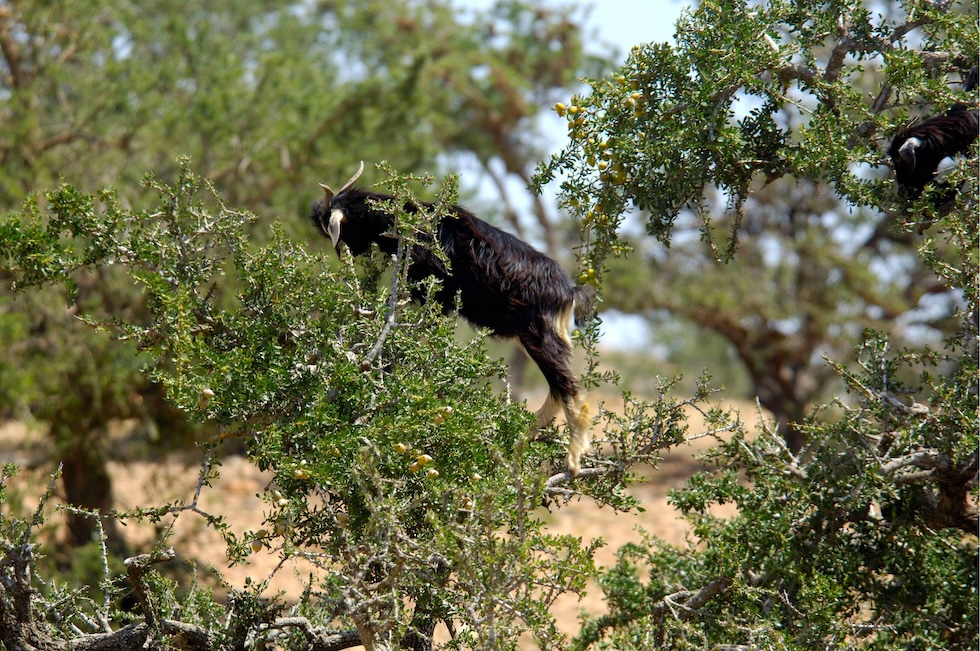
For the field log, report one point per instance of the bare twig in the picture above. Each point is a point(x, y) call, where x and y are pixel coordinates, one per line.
point(137, 565)
point(103, 614)
point(401, 259)
point(319, 639)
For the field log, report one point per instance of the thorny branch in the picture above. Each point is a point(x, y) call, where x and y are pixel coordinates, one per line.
point(558, 485)
point(137, 566)
point(401, 261)
point(680, 605)
point(20, 632)
point(847, 45)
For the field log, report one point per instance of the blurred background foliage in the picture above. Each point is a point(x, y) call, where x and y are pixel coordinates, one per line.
point(267, 98)
point(749, 218)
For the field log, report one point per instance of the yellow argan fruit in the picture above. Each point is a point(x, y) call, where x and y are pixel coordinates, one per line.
point(206, 395)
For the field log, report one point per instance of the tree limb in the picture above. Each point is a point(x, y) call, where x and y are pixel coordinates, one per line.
point(11, 50)
point(136, 565)
point(681, 605)
point(320, 639)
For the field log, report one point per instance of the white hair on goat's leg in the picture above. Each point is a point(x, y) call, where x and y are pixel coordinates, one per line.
point(577, 413)
point(563, 321)
point(579, 418)
point(548, 410)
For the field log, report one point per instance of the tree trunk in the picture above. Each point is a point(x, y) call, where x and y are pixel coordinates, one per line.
point(515, 374)
point(87, 485)
point(795, 439)
point(785, 390)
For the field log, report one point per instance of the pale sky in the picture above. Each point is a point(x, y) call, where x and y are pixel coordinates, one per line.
point(625, 23)
point(622, 24)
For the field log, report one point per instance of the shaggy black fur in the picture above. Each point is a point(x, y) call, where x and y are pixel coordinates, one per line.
point(936, 138)
point(917, 150)
point(503, 283)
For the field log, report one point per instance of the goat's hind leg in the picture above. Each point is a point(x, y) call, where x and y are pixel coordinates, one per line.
point(579, 419)
point(546, 414)
point(551, 352)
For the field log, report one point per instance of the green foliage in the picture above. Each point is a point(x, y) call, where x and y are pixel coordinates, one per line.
point(398, 470)
point(767, 121)
point(268, 98)
point(763, 129)
point(862, 541)
point(767, 90)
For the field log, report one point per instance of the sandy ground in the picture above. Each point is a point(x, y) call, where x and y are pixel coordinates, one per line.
point(235, 495)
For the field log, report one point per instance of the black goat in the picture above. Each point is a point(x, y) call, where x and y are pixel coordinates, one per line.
point(503, 284)
point(917, 150)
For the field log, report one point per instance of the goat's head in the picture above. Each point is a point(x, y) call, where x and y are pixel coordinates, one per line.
point(905, 154)
point(902, 155)
point(917, 150)
point(329, 213)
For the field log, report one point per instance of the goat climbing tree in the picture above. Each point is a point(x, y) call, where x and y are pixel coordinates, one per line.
point(400, 473)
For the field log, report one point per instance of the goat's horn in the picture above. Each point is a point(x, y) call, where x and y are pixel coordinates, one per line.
point(353, 178)
point(330, 194)
point(333, 226)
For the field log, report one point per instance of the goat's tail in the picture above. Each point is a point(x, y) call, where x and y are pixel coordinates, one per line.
point(584, 298)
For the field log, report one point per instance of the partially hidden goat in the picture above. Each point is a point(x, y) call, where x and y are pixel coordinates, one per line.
point(504, 285)
point(917, 150)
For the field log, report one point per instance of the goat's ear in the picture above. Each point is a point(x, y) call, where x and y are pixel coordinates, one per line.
point(907, 150)
point(333, 226)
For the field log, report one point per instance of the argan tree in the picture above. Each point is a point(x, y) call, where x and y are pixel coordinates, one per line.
point(766, 127)
point(411, 484)
point(401, 474)
point(866, 536)
point(95, 94)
